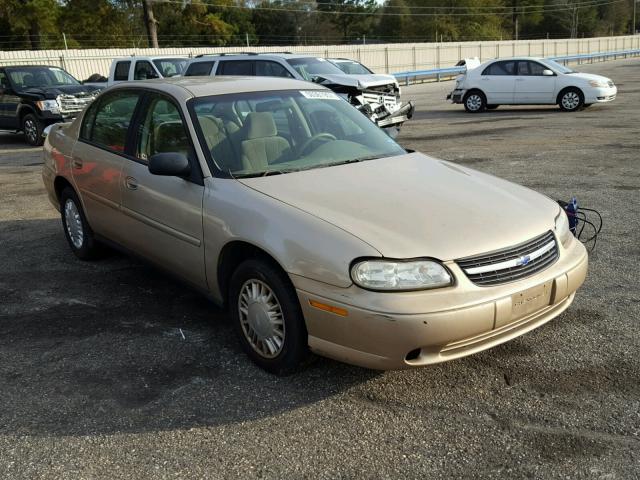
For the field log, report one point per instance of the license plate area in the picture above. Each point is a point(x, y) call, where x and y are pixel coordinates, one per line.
point(530, 300)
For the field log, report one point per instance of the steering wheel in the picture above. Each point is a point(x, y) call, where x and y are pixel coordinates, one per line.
point(327, 137)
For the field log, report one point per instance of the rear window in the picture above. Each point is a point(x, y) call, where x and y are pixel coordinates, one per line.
point(199, 69)
point(122, 71)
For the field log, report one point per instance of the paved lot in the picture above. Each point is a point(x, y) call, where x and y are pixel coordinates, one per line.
point(96, 379)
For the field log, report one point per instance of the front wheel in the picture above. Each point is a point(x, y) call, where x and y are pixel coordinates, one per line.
point(76, 228)
point(267, 317)
point(32, 128)
point(475, 102)
point(571, 100)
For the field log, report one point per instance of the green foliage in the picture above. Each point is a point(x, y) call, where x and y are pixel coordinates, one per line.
point(34, 24)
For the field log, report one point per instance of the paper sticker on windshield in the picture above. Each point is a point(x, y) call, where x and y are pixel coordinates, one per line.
point(319, 94)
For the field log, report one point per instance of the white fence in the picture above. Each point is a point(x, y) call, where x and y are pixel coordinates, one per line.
point(382, 58)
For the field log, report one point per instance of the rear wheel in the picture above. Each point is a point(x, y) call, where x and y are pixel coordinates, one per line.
point(32, 128)
point(76, 228)
point(267, 317)
point(571, 100)
point(475, 101)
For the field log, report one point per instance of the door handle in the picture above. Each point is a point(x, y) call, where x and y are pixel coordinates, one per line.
point(519, 79)
point(131, 183)
point(77, 163)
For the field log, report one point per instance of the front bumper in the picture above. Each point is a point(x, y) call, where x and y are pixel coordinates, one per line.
point(410, 329)
point(600, 95)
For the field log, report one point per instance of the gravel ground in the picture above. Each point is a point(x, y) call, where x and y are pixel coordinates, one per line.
point(112, 370)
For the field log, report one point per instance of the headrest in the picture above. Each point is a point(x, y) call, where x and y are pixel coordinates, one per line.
point(260, 125)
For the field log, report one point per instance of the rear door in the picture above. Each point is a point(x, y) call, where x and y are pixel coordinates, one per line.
point(497, 81)
point(532, 86)
point(98, 156)
point(163, 215)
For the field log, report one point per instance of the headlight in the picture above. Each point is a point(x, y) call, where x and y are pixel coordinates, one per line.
point(562, 228)
point(397, 275)
point(599, 83)
point(48, 106)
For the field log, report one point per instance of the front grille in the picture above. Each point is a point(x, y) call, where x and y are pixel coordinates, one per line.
point(389, 101)
point(513, 263)
point(74, 104)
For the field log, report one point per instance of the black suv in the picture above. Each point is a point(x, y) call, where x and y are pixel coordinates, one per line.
point(34, 96)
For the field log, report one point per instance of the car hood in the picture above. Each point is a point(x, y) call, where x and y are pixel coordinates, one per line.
point(359, 81)
point(587, 77)
point(53, 92)
point(416, 206)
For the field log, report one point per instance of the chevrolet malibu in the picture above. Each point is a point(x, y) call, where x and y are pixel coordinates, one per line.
point(529, 81)
point(279, 200)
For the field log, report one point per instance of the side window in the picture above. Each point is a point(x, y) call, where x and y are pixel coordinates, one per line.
point(111, 121)
point(144, 71)
point(122, 71)
point(235, 67)
point(4, 81)
point(265, 68)
point(198, 69)
point(530, 68)
point(162, 130)
point(87, 121)
point(500, 68)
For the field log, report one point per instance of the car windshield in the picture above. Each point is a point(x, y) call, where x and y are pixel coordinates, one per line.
point(310, 67)
point(170, 67)
point(352, 68)
point(558, 67)
point(30, 77)
point(268, 133)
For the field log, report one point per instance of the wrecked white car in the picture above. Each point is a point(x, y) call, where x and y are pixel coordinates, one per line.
point(376, 96)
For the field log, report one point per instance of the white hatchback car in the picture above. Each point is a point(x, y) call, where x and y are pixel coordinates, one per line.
point(529, 81)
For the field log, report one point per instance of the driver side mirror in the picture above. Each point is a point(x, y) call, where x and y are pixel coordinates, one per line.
point(170, 164)
point(548, 73)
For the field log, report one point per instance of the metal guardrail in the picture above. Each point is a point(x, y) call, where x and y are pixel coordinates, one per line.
point(438, 74)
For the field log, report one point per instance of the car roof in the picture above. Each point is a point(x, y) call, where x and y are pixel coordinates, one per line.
point(245, 55)
point(508, 59)
point(31, 66)
point(186, 87)
point(149, 57)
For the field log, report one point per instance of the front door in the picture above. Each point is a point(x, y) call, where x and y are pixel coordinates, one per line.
point(498, 82)
point(98, 157)
point(163, 214)
point(532, 86)
point(9, 103)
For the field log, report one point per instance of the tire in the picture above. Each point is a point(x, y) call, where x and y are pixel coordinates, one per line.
point(475, 101)
point(570, 100)
point(267, 317)
point(32, 129)
point(76, 228)
point(492, 107)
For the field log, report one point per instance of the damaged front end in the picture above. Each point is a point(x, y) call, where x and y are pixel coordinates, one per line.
point(377, 98)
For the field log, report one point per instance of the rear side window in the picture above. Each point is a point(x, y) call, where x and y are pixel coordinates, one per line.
point(500, 68)
point(107, 123)
point(122, 71)
point(235, 67)
point(265, 68)
point(199, 69)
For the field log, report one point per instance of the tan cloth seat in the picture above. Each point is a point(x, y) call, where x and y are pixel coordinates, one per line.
point(216, 134)
point(262, 146)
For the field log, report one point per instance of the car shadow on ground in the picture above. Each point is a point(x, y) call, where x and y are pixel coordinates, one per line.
point(117, 346)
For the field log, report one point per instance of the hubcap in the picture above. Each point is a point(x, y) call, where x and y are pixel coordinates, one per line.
point(570, 100)
point(474, 102)
point(73, 223)
point(261, 318)
point(30, 130)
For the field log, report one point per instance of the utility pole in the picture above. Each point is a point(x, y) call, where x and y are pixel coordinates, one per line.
point(635, 3)
point(516, 28)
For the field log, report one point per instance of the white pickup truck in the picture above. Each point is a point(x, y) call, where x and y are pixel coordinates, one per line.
point(140, 68)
